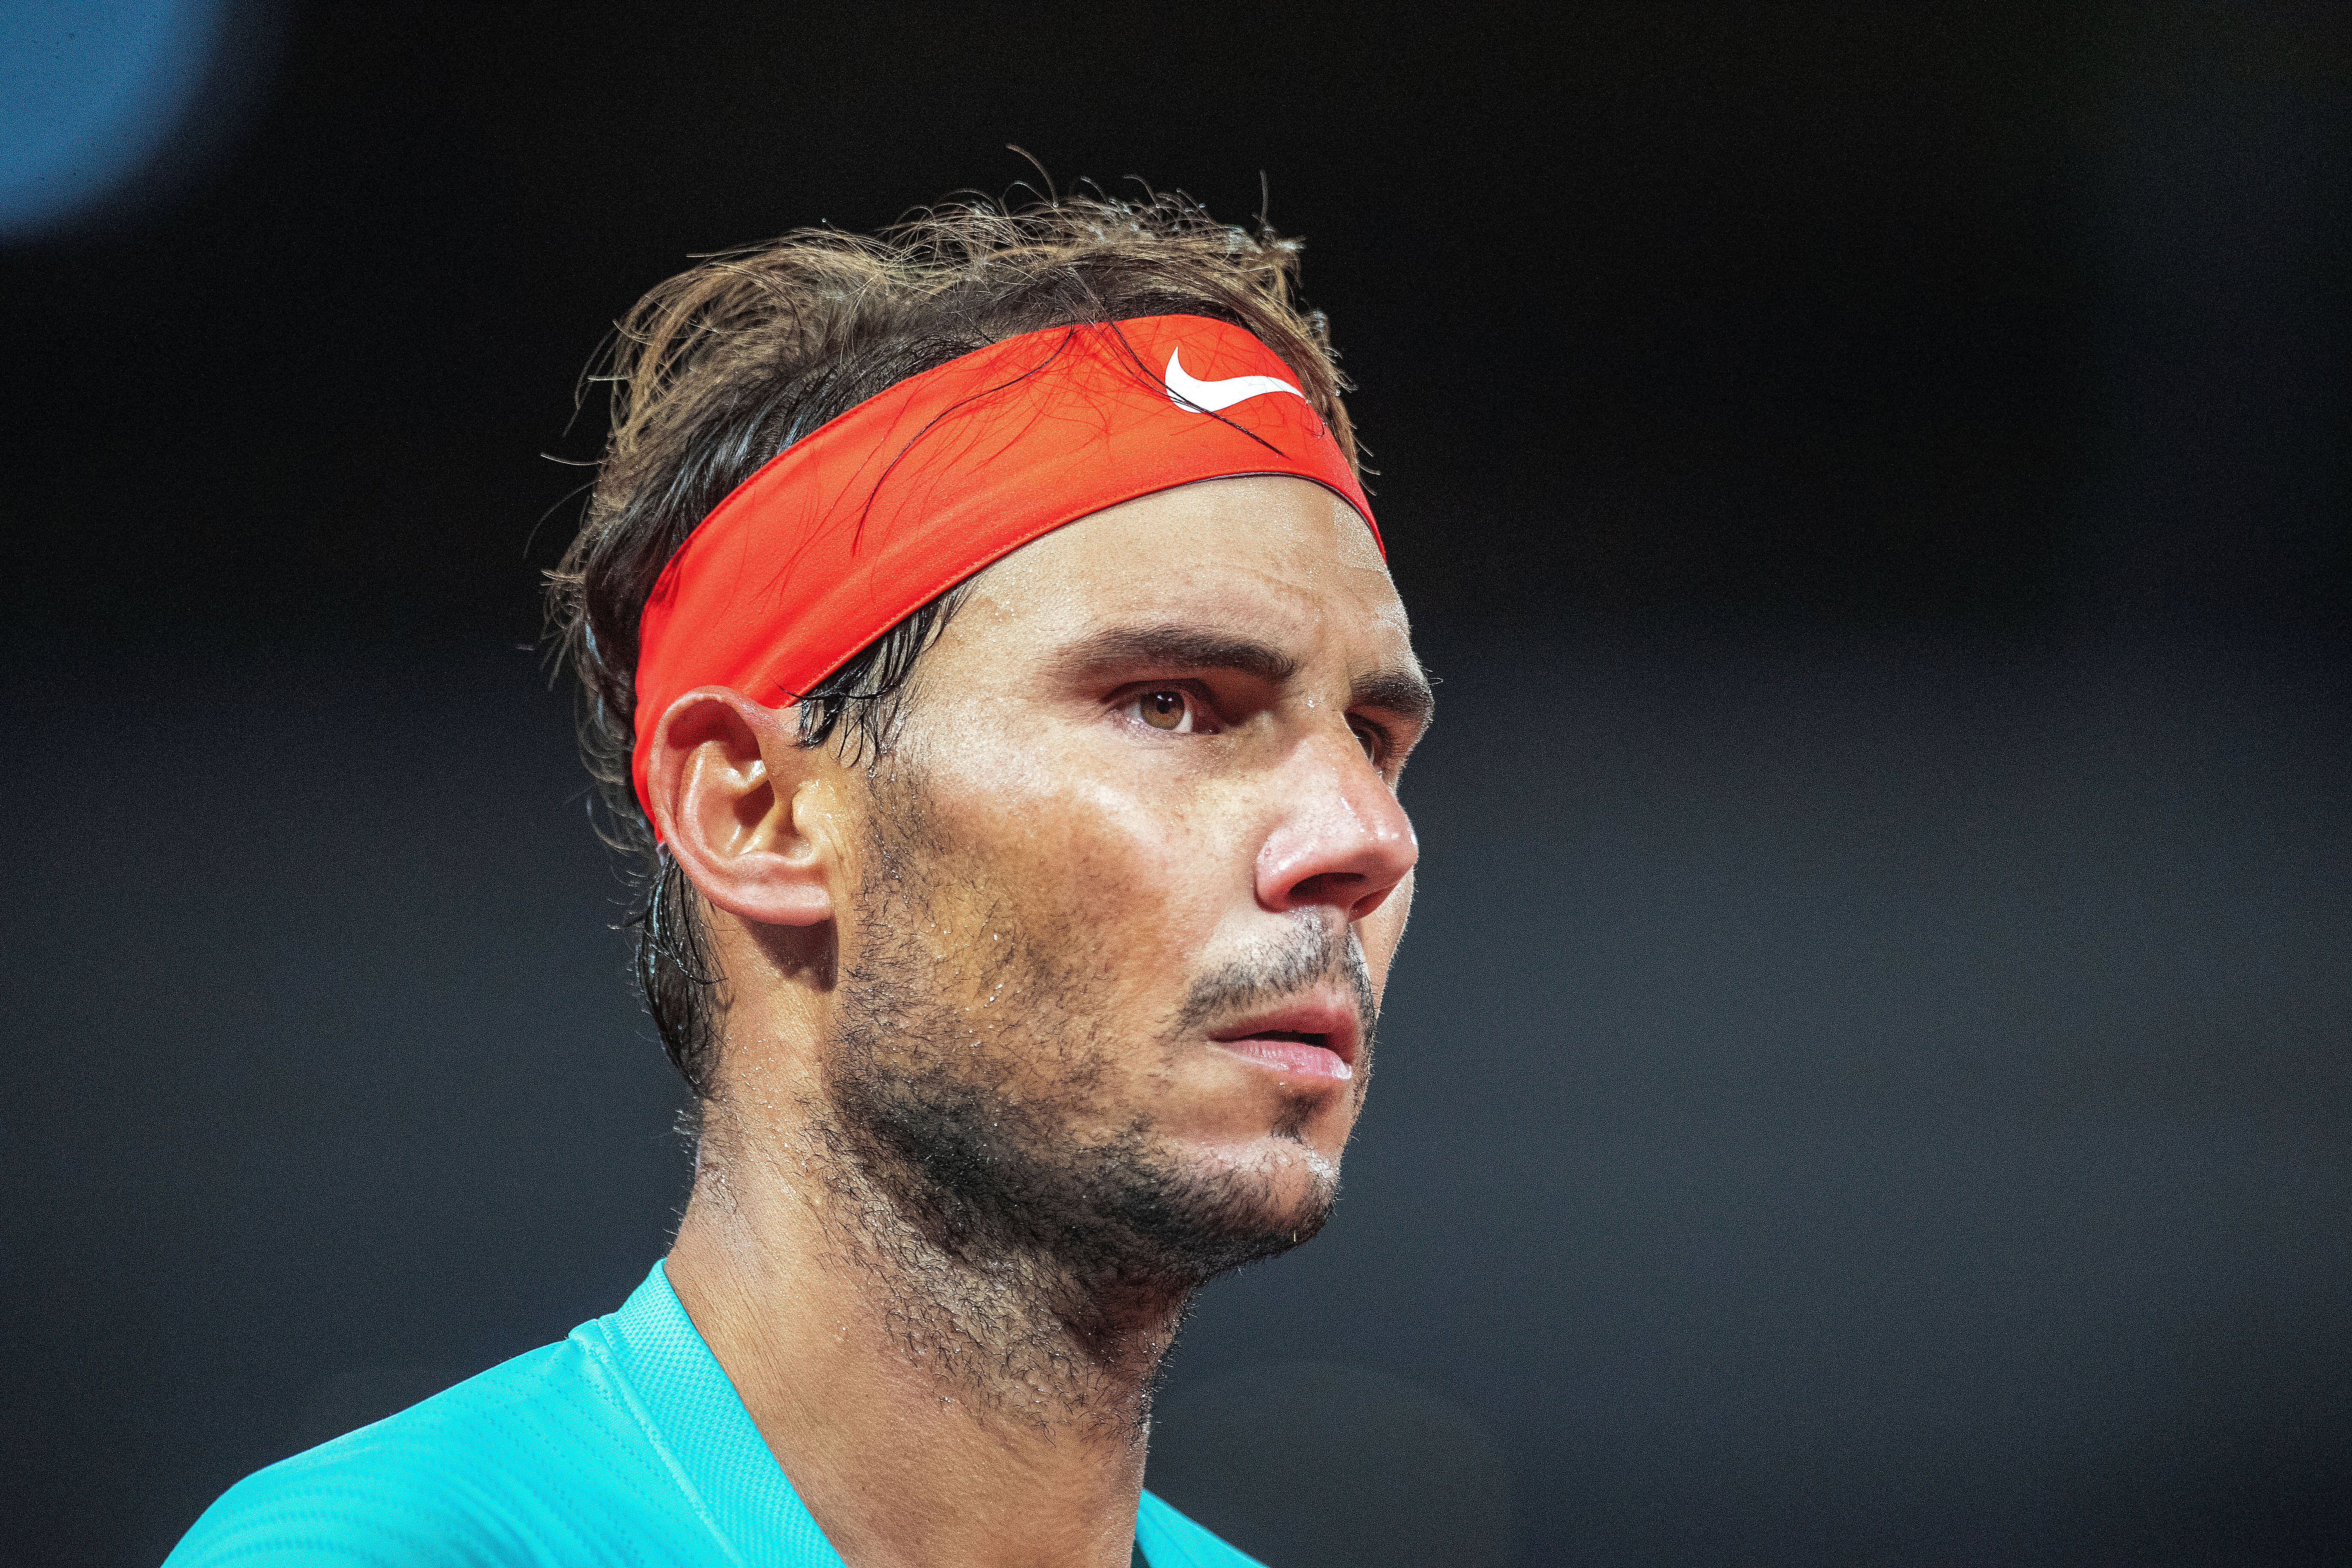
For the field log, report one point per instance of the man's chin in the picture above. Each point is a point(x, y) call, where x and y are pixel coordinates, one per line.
point(1228, 1214)
point(1291, 1184)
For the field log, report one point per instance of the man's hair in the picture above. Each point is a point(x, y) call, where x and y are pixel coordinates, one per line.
point(722, 367)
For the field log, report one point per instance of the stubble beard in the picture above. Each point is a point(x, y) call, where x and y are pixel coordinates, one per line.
point(1043, 1269)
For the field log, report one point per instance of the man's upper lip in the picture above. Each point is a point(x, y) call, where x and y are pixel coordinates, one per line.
point(1327, 1015)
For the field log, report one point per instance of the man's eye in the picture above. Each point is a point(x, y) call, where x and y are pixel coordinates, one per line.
point(1169, 710)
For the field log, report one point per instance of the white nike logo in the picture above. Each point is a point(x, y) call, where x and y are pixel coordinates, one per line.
point(1211, 396)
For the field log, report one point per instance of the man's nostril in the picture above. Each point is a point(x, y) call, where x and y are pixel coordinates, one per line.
point(1329, 888)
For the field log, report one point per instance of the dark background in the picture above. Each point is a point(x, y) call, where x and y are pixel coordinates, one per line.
point(1867, 1083)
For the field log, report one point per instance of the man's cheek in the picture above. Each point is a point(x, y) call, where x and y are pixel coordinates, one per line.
point(1383, 931)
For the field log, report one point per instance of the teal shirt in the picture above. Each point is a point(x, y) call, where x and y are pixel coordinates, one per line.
point(623, 1447)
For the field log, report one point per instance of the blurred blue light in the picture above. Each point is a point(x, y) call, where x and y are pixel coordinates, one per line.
point(92, 92)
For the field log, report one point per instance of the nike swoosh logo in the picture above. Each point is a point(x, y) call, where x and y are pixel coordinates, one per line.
point(1213, 396)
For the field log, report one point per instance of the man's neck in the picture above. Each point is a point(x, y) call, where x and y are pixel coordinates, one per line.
point(926, 1409)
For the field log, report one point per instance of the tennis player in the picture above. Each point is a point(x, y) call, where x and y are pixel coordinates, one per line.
point(989, 655)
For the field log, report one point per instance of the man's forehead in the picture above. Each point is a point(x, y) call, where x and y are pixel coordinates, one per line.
point(1270, 557)
point(1240, 621)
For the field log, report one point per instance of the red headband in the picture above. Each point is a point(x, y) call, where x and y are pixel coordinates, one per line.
point(847, 532)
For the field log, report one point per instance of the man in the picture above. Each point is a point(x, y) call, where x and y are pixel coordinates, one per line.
point(988, 647)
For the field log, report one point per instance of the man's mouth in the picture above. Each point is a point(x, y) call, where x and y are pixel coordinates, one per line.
point(1312, 1037)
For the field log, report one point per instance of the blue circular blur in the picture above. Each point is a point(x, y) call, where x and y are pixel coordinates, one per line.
point(91, 93)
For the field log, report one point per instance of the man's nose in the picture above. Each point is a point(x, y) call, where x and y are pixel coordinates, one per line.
point(1340, 839)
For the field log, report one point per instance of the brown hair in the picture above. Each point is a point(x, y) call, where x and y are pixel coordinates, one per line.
point(721, 368)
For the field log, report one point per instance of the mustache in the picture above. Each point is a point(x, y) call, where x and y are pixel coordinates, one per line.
point(1311, 952)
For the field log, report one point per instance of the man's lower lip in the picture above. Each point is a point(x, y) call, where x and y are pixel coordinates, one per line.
point(1293, 1058)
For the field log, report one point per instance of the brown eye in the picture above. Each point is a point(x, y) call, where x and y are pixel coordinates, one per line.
point(1162, 709)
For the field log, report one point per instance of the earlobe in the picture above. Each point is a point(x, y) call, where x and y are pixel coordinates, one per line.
point(743, 807)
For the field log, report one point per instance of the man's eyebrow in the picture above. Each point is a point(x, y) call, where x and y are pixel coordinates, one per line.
point(1404, 692)
point(1177, 647)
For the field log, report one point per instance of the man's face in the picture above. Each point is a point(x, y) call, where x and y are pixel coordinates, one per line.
point(1136, 874)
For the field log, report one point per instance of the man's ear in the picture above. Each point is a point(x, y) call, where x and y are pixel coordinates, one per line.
point(745, 809)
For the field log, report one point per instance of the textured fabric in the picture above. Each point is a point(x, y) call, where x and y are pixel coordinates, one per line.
point(873, 515)
point(623, 1447)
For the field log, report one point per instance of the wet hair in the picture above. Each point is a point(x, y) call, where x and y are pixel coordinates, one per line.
point(721, 368)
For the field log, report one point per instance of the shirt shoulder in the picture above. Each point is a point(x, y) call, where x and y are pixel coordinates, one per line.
point(1169, 1539)
point(544, 1459)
